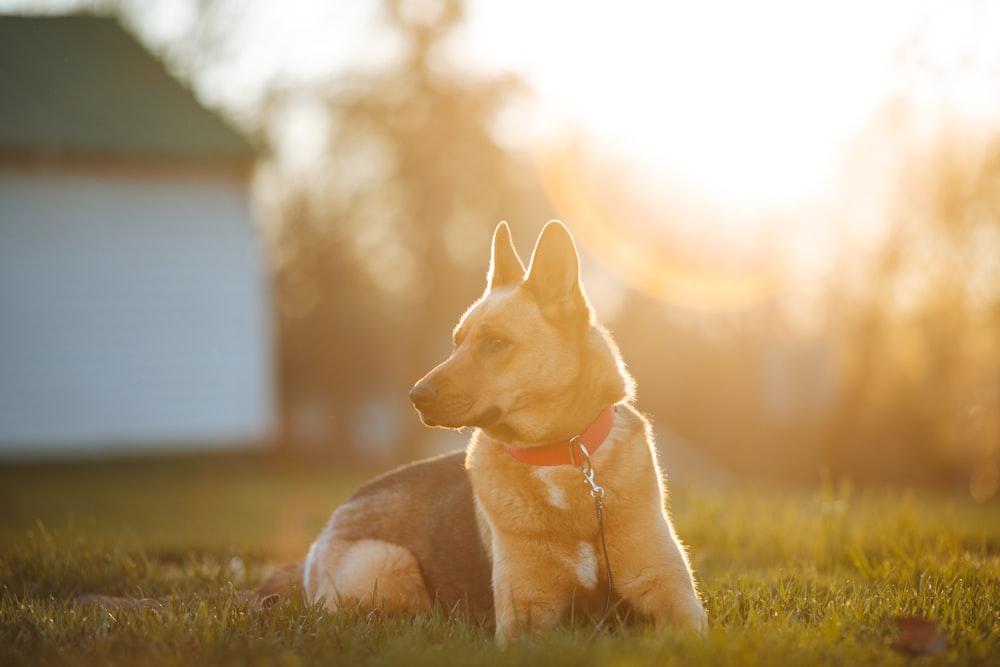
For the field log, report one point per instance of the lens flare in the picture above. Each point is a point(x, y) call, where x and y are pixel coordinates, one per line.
point(647, 261)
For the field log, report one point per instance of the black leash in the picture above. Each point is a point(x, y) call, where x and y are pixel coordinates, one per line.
point(599, 502)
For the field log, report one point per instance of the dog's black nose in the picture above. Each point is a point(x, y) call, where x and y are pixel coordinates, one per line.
point(422, 394)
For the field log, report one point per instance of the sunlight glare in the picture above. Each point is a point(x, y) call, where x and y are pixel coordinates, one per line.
point(746, 102)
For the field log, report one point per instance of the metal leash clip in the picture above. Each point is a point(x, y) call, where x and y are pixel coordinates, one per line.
point(585, 465)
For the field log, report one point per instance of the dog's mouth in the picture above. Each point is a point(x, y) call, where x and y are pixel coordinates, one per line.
point(453, 419)
point(441, 421)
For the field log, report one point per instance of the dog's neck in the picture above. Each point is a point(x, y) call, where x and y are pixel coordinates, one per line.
point(568, 451)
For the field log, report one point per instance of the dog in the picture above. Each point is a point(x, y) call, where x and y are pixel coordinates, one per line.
point(557, 504)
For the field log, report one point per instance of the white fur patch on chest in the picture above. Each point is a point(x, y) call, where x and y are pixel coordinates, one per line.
point(554, 493)
point(585, 565)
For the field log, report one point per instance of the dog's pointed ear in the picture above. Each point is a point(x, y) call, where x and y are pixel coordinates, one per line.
point(554, 274)
point(505, 266)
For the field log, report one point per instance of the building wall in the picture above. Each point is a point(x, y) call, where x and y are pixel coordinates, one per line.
point(134, 313)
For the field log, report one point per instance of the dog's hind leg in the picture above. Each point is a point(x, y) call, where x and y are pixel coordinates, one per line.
point(371, 574)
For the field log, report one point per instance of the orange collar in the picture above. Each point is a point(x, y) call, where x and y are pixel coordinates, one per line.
point(567, 451)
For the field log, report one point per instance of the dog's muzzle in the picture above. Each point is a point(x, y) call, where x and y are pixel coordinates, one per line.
point(448, 409)
point(423, 395)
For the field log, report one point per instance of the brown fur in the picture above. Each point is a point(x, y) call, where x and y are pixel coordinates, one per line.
point(499, 537)
point(447, 556)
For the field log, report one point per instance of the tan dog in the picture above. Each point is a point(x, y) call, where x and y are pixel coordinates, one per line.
point(509, 529)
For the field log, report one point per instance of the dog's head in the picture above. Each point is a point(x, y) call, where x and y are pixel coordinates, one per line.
point(527, 354)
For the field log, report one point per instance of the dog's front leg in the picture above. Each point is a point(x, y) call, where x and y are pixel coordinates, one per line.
point(530, 593)
point(654, 577)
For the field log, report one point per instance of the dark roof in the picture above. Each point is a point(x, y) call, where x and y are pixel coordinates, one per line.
point(83, 85)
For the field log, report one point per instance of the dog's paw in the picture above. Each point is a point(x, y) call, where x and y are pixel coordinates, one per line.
point(689, 614)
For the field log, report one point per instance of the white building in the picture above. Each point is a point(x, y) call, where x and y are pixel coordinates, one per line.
point(134, 303)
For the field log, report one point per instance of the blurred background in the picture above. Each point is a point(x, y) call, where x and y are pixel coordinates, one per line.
point(788, 215)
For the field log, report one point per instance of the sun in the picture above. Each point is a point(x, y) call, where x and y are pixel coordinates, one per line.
point(749, 102)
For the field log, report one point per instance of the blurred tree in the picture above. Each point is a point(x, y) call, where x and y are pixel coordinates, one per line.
point(921, 329)
point(382, 247)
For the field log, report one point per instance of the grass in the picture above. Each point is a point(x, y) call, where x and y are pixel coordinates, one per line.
point(810, 578)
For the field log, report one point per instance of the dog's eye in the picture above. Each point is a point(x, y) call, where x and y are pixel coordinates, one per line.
point(493, 345)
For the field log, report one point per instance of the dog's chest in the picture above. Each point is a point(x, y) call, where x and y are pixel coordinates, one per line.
point(551, 502)
point(554, 487)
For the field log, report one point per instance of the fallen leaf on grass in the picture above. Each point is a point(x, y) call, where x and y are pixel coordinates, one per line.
point(919, 636)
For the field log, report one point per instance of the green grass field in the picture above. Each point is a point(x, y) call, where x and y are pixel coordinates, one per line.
point(790, 578)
